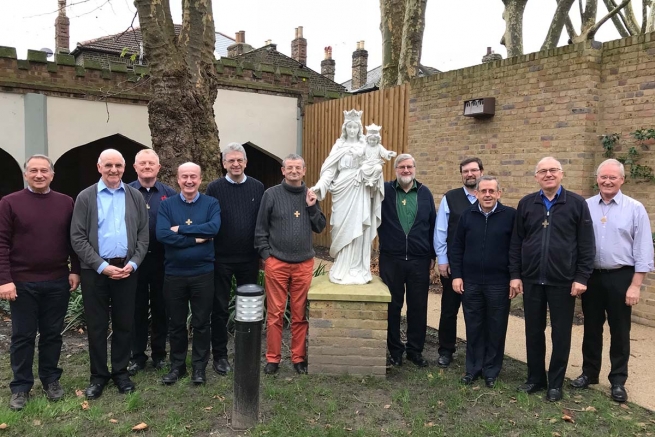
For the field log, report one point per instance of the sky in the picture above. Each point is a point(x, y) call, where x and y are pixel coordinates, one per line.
point(457, 32)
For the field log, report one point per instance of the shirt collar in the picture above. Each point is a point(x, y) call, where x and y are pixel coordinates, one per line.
point(559, 191)
point(617, 199)
point(102, 186)
point(32, 191)
point(398, 187)
point(194, 199)
point(469, 195)
point(234, 182)
point(487, 213)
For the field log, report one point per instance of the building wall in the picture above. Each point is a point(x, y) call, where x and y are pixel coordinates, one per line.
point(12, 125)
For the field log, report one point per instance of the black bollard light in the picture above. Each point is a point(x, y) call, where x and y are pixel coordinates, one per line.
point(247, 353)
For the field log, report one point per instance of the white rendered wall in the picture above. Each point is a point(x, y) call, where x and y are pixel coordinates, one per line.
point(12, 126)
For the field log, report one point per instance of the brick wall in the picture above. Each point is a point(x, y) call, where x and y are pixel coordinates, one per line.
point(556, 102)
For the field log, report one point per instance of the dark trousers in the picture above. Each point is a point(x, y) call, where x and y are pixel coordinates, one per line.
point(244, 273)
point(39, 306)
point(561, 305)
point(101, 296)
point(411, 279)
point(450, 302)
point(179, 292)
point(150, 296)
point(606, 296)
point(486, 311)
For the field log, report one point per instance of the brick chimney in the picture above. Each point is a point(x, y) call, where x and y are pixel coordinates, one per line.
point(239, 47)
point(270, 45)
point(62, 29)
point(360, 66)
point(328, 64)
point(299, 47)
point(491, 56)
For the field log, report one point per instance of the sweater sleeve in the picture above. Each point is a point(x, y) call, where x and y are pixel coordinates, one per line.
point(6, 235)
point(516, 243)
point(586, 245)
point(263, 227)
point(164, 233)
point(457, 250)
point(316, 217)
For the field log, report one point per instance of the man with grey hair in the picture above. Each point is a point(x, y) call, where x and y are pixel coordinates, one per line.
point(35, 277)
point(479, 263)
point(109, 233)
point(149, 290)
point(239, 196)
point(406, 258)
point(550, 260)
point(624, 256)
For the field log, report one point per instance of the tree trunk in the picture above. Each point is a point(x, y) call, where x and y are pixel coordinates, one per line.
point(392, 13)
point(183, 85)
point(650, 22)
point(412, 41)
point(590, 26)
point(513, 36)
point(559, 19)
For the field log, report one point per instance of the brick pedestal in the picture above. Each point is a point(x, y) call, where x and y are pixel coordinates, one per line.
point(348, 327)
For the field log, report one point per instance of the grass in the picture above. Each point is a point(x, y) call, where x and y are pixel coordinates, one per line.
point(410, 401)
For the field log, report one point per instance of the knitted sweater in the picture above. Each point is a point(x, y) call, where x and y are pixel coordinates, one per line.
point(285, 224)
point(235, 242)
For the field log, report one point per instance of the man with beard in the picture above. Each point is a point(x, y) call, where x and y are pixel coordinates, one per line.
point(453, 203)
point(406, 258)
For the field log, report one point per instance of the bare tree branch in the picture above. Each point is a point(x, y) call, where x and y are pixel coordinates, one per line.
point(651, 18)
point(602, 21)
point(644, 15)
point(632, 23)
point(59, 9)
point(560, 17)
point(618, 19)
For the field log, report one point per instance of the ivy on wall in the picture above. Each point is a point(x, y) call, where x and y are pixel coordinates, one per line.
point(642, 139)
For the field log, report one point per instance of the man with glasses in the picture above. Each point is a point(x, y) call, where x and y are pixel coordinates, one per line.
point(453, 203)
point(239, 196)
point(551, 258)
point(406, 258)
point(624, 256)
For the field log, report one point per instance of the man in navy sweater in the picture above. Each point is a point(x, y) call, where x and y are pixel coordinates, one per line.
point(479, 265)
point(186, 225)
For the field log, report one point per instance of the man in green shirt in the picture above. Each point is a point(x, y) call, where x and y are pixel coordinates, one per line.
point(406, 258)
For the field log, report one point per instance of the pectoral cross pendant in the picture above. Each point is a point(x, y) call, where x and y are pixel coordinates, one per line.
point(148, 206)
point(404, 202)
point(188, 222)
point(297, 214)
point(545, 224)
point(603, 219)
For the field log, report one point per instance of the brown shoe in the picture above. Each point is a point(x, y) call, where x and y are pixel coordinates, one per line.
point(18, 400)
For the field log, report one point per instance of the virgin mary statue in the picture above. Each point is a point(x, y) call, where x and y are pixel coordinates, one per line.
point(355, 207)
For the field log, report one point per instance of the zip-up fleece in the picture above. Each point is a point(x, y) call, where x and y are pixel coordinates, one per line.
point(555, 247)
point(480, 250)
point(417, 244)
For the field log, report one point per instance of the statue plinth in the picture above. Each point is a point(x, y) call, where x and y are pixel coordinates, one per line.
point(348, 327)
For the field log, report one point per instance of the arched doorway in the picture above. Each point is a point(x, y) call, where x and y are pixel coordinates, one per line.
point(11, 175)
point(76, 169)
point(262, 165)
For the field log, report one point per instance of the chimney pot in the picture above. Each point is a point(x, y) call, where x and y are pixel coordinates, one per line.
point(359, 66)
point(62, 29)
point(299, 47)
point(328, 64)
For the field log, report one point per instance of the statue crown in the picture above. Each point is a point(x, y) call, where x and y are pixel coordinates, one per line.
point(353, 115)
point(373, 129)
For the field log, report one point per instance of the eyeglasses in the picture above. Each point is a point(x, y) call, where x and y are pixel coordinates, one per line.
point(487, 191)
point(235, 161)
point(543, 171)
point(609, 178)
point(475, 170)
point(405, 167)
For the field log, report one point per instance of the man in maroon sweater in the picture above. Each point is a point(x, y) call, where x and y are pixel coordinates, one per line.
point(35, 277)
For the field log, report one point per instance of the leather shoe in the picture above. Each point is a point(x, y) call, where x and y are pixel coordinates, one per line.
point(530, 388)
point(444, 360)
point(300, 368)
point(221, 366)
point(582, 381)
point(271, 368)
point(135, 367)
point(418, 360)
point(158, 364)
point(173, 376)
point(468, 379)
point(125, 385)
point(394, 361)
point(18, 400)
point(490, 382)
point(198, 376)
point(554, 394)
point(618, 393)
point(94, 391)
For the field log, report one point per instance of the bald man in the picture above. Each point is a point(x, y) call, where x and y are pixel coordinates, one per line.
point(186, 225)
point(109, 233)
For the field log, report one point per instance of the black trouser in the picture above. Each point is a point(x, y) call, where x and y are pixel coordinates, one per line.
point(450, 302)
point(244, 273)
point(606, 295)
point(413, 277)
point(39, 306)
point(101, 295)
point(486, 311)
point(561, 305)
point(150, 295)
point(179, 292)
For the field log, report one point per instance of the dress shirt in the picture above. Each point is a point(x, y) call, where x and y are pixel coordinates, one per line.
point(625, 238)
point(192, 201)
point(548, 202)
point(486, 214)
point(441, 227)
point(112, 231)
point(227, 178)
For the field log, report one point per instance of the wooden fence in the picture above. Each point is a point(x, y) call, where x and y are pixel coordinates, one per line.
point(322, 126)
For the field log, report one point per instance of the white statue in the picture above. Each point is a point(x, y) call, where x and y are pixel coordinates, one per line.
point(356, 203)
point(374, 153)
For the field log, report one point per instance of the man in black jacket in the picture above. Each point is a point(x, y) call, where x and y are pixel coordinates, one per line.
point(406, 258)
point(479, 264)
point(551, 258)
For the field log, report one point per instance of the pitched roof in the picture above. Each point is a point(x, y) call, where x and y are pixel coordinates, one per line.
point(132, 40)
point(269, 55)
point(373, 79)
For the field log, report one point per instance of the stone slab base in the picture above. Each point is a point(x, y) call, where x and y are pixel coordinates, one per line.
point(348, 328)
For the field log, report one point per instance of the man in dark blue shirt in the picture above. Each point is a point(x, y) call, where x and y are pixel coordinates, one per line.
point(186, 225)
point(149, 291)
